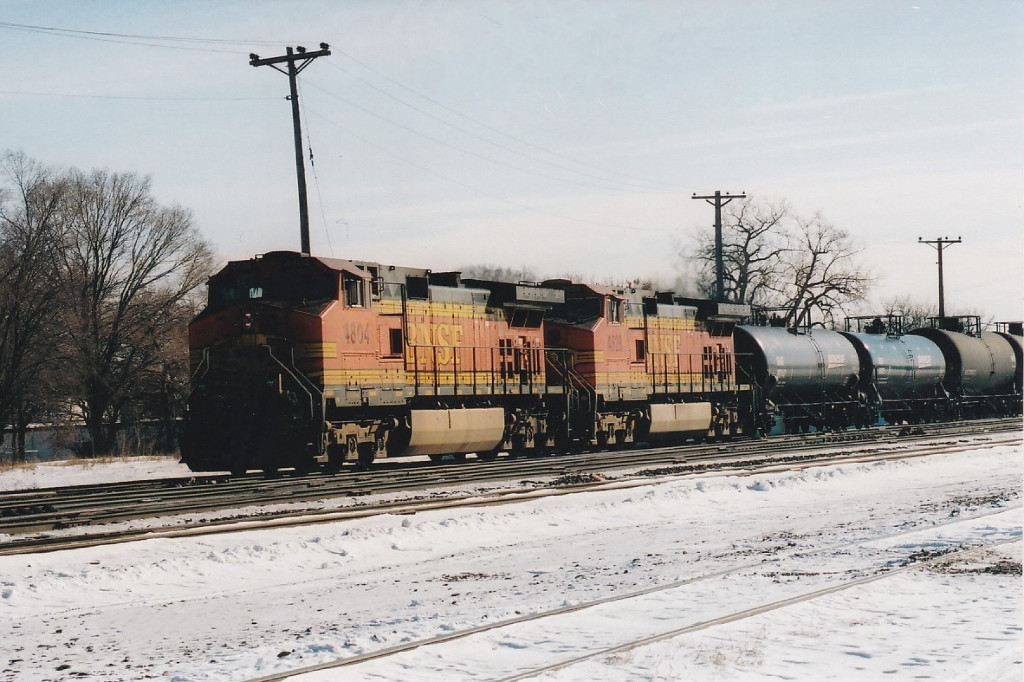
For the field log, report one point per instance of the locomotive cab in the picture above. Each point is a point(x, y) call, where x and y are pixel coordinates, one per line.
point(250, 405)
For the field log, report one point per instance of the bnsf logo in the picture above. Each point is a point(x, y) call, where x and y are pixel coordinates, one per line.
point(444, 337)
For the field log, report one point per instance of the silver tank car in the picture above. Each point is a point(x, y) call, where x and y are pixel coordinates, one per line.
point(980, 372)
point(1017, 342)
point(900, 376)
point(810, 378)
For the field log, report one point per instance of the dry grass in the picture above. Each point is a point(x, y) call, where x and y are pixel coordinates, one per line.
point(73, 460)
point(7, 465)
point(110, 459)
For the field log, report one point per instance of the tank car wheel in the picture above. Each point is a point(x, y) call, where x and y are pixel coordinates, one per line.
point(436, 459)
point(459, 456)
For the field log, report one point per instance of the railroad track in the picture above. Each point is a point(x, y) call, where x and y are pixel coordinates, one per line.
point(676, 600)
point(92, 508)
point(94, 505)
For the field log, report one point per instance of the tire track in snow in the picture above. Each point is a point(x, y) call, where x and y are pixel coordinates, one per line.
point(887, 569)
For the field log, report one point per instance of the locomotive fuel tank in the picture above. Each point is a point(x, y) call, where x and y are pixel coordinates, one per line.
point(975, 365)
point(898, 367)
point(798, 367)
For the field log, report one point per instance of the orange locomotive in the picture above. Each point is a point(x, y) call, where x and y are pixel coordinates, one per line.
point(654, 367)
point(301, 361)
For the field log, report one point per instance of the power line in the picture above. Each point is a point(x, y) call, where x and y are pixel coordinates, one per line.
point(138, 98)
point(316, 176)
point(134, 38)
point(497, 130)
point(631, 185)
point(475, 190)
point(147, 40)
point(458, 148)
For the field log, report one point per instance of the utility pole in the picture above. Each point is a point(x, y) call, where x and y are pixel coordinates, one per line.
point(938, 244)
point(718, 203)
point(296, 61)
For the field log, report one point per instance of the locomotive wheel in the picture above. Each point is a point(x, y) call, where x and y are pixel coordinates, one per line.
point(366, 455)
point(304, 466)
point(197, 466)
point(537, 451)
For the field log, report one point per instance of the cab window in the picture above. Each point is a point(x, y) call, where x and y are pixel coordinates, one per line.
point(614, 311)
point(353, 292)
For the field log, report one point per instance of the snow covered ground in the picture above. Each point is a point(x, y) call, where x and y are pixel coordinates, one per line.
point(88, 471)
point(689, 557)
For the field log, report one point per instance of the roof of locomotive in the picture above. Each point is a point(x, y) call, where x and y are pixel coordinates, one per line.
point(580, 289)
point(285, 259)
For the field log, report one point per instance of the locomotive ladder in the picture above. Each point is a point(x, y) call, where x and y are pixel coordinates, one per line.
point(580, 398)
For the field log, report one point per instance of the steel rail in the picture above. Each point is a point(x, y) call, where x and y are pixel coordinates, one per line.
point(758, 610)
point(20, 503)
point(910, 563)
point(59, 508)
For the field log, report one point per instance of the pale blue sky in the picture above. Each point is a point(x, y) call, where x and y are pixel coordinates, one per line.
point(565, 136)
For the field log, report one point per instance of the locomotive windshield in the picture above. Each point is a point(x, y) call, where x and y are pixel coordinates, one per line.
point(280, 287)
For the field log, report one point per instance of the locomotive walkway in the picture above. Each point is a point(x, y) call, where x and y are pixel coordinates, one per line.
point(63, 518)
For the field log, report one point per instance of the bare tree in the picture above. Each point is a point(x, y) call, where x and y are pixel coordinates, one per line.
point(753, 242)
point(806, 269)
point(126, 265)
point(499, 273)
point(913, 313)
point(158, 397)
point(820, 274)
point(30, 234)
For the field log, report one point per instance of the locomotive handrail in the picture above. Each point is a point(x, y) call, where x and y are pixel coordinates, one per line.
point(298, 377)
point(576, 386)
point(717, 372)
point(205, 362)
point(521, 371)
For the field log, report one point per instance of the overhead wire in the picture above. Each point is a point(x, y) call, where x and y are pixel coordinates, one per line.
point(147, 40)
point(632, 186)
point(476, 190)
point(134, 38)
point(136, 97)
point(160, 40)
point(312, 166)
point(458, 148)
point(520, 140)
